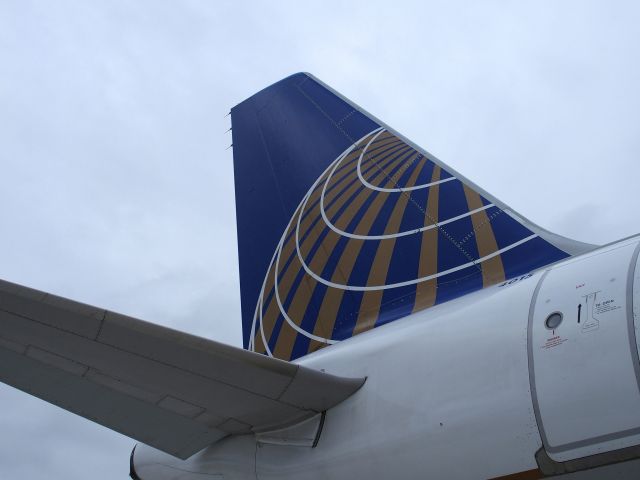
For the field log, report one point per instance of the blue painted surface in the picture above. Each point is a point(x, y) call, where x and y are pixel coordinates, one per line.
point(285, 137)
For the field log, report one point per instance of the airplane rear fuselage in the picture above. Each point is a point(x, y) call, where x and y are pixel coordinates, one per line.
point(534, 376)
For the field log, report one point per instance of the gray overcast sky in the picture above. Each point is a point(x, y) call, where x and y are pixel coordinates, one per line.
point(117, 189)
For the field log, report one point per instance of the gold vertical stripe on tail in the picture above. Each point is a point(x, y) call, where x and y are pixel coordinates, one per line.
point(270, 313)
point(314, 214)
point(304, 292)
point(355, 205)
point(492, 269)
point(377, 163)
point(428, 265)
point(379, 168)
point(288, 275)
point(347, 166)
point(310, 232)
point(381, 148)
point(371, 300)
point(258, 344)
point(271, 310)
point(343, 222)
point(334, 296)
point(295, 311)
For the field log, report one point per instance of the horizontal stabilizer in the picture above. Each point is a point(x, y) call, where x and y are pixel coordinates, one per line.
point(170, 390)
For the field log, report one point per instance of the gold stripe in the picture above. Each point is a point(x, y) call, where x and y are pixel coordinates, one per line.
point(310, 217)
point(345, 218)
point(285, 285)
point(267, 326)
point(426, 291)
point(396, 176)
point(377, 150)
point(355, 186)
point(296, 312)
point(333, 298)
point(272, 311)
point(347, 169)
point(528, 475)
point(492, 269)
point(290, 272)
point(378, 175)
point(303, 295)
point(337, 180)
point(258, 344)
point(364, 195)
point(372, 155)
point(352, 175)
point(378, 145)
point(371, 300)
point(306, 230)
point(314, 345)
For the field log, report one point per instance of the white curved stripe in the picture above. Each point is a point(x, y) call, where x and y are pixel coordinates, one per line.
point(399, 189)
point(402, 189)
point(390, 235)
point(357, 288)
point(378, 237)
point(398, 234)
point(282, 311)
point(264, 340)
point(259, 304)
point(304, 199)
point(251, 346)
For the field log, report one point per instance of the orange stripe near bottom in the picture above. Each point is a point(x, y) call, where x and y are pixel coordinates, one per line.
point(528, 475)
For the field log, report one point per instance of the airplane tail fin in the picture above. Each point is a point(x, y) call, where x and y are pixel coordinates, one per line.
point(345, 225)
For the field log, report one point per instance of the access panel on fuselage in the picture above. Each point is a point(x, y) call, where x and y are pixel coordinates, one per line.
point(583, 355)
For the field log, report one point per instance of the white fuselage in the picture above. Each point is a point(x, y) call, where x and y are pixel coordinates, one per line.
point(449, 389)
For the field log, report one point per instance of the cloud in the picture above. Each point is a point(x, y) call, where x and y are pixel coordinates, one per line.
point(118, 191)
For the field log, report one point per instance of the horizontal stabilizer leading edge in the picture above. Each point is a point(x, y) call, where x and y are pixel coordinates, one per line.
point(170, 390)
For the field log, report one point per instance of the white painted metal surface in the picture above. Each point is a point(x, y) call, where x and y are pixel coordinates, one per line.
point(231, 459)
point(303, 434)
point(168, 389)
point(446, 397)
point(636, 301)
point(585, 370)
point(448, 394)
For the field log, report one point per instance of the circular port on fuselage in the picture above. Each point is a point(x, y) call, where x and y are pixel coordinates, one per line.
point(553, 320)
